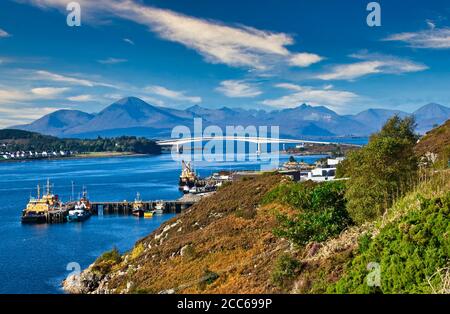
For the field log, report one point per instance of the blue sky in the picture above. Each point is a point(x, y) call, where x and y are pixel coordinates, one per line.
point(253, 54)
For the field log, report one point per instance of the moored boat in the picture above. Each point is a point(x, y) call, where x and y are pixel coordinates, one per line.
point(78, 215)
point(188, 178)
point(159, 208)
point(82, 210)
point(138, 206)
point(148, 214)
point(38, 209)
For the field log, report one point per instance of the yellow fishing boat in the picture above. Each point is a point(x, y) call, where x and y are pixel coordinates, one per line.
point(38, 208)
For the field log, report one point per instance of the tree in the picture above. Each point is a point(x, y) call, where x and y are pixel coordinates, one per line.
point(381, 170)
point(292, 159)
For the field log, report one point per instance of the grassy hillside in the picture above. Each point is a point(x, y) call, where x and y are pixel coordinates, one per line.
point(437, 141)
point(228, 244)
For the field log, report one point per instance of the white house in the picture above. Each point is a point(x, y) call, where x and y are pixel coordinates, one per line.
point(334, 161)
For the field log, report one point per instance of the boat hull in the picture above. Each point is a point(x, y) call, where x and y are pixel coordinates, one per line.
point(34, 219)
point(138, 213)
point(78, 218)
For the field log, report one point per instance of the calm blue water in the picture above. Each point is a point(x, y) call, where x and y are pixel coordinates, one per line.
point(33, 258)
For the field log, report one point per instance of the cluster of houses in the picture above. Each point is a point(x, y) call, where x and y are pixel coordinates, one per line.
point(21, 155)
point(324, 170)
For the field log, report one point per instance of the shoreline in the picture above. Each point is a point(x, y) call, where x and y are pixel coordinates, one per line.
point(80, 156)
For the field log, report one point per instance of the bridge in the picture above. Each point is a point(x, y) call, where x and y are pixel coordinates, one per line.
point(248, 139)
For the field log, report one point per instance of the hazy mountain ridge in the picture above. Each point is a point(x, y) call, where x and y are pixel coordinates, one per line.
point(133, 116)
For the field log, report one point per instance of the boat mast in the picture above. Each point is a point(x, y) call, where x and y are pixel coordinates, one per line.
point(48, 186)
point(38, 191)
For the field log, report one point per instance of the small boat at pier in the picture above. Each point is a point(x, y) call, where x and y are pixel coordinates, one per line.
point(78, 214)
point(82, 210)
point(138, 206)
point(148, 214)
point(159, 208)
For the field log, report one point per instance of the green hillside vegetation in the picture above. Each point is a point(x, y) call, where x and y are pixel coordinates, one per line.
point(18, 140)
point(320, 211)
point(412, 253)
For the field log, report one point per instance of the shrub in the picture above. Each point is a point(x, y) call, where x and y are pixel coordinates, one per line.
point(286, 268)
point(321, 211)
point(294, 194)
point(137, 251)
point(107, 260)
point(409, 253)
point(313, 226)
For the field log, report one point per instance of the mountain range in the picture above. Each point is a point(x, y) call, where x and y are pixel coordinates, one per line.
point(133, 116)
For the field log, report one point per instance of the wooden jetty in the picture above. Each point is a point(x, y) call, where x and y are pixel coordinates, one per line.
point(126, 207)
point(56, 216)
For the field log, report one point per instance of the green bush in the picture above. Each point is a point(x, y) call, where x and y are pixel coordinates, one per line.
point(321, 211)
point(313, 226)
point(409, 252)
point(286, 268)
point(294, 194)
point(107, 260)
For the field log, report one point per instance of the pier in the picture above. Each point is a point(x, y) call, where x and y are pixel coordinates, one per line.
point(56, 216)
point(126, 207)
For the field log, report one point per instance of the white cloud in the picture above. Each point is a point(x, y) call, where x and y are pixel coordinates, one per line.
point(238, 89)
point(112, 61)
point(304, 59)
point(81, 98)
point(371, 64)
point(4, 34)
point(334, 99)
point(11, 95)
point(48, 92)
point(172, 94)
point(237, 45)
point(152, 100)
point(433, 38)
point(127, 40)
point(54, 77)
point(10, 116)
